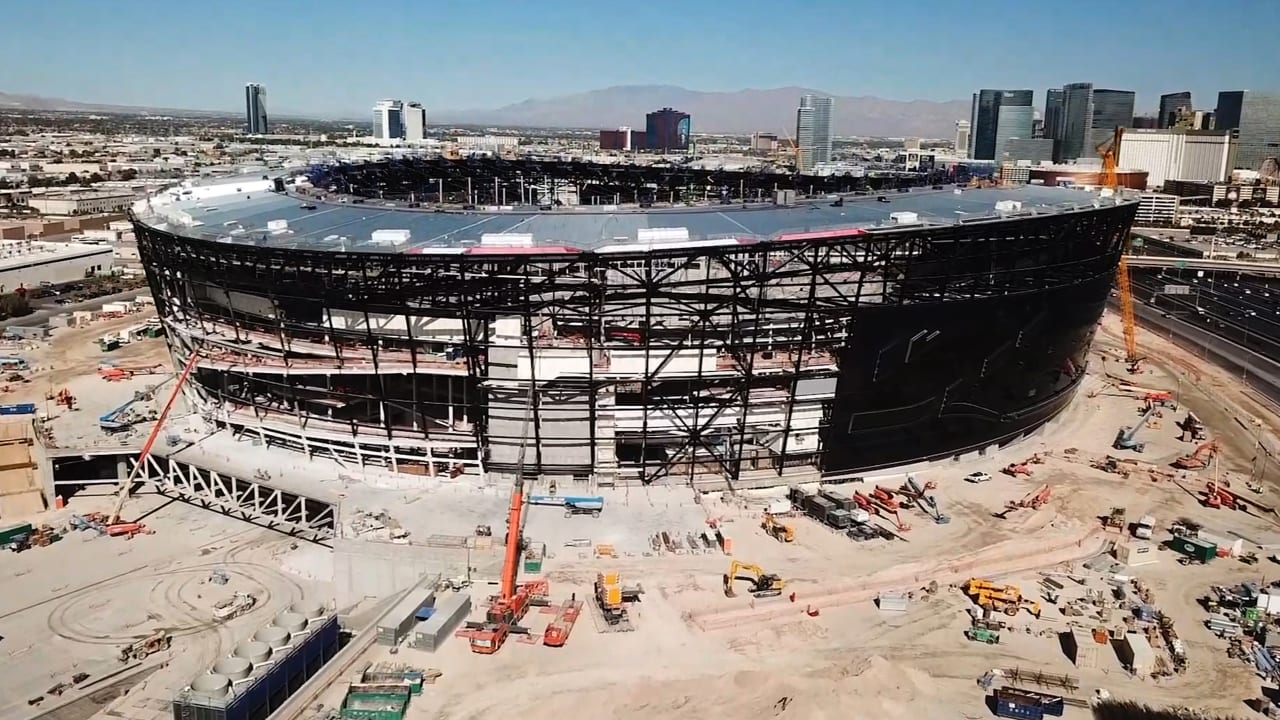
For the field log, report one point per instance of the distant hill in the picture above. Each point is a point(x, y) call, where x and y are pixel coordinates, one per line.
point(33, 102)
point(743, 111)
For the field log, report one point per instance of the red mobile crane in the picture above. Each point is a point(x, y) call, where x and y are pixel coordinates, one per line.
point(509, 607)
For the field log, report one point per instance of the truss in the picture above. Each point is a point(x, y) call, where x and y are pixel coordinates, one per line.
point(250, 500)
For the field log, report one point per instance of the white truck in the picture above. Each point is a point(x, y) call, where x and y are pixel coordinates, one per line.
point(234, 606)
point(1145, 526)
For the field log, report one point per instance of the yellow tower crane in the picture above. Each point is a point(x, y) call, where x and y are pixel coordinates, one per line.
point(1110, 154)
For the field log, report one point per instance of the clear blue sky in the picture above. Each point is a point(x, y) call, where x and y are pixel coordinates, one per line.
point(329, 57)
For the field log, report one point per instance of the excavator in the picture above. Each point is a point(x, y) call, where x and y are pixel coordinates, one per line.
point(1007, 599)
point(762, 584)
point(1199, 458)
point(776, 530)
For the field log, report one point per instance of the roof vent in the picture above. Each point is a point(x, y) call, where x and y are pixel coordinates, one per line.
point(662, 235)
point(389, 237)
point(904, 218)
point(1007, 206)
point(506, 240)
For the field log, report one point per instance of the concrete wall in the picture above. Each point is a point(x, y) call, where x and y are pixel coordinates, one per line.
point(57, 271)
point(378, 569)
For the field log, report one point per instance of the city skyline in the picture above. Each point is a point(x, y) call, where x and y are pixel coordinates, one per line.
point(607, 56)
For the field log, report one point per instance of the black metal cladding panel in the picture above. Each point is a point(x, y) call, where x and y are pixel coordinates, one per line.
point(978, 332)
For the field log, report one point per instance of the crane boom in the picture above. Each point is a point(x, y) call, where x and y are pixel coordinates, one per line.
point(1125, 284)
point(515, 512)
point(127, 484)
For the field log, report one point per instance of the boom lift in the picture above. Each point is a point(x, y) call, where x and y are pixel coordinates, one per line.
point(927, 503)
point(762, 584)
point(1033, 500)
point(126, 486)
point(1126, 437)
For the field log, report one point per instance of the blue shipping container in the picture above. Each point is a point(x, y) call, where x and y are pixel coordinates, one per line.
point(1017, 704)
point(19, 409)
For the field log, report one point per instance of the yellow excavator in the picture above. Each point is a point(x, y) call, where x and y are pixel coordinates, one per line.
point(763, 584)
point(1007, 599)
point(778, 531)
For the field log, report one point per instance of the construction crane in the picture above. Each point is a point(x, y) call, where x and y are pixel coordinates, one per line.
point(1007, 599)
point(126, 485)
point(1126, 437)
point(509, 607)
point(1109, 151)
point(763, 584)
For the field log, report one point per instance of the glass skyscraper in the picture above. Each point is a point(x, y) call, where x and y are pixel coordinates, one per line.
point(1170, 104)
point(813, 131)
point(984, 120)
point(255, 109)
point(1259, 129)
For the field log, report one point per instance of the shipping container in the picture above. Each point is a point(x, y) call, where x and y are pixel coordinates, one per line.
point(396, 625)
point(1136, 654)
point(451, 610)
point(1081, 648)
point(1012, 704)
point(13, 532)
point(1194, 548)
point(819, 507)
point(18, 409)
point(842, 501)
point(1051, 705)
point(839, 519)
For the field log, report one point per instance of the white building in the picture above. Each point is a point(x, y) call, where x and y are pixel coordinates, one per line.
point(1178, 154)
point(962, 138)
point(1157, 209)
point(87, 202)
point(24, 263)
point(388, 120)
point(490, 143)
point(415, 122)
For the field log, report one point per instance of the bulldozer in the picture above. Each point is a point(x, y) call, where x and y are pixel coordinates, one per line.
point(776, 530)
point(157, 641)
point(762, 584)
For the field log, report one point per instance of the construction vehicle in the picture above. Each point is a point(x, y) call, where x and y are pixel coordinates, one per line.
point(126, 485)
point(128, 530)
point(885, 497)
point(558, 630)
point(509, 606)
point(1007, 599)
point(612, 597)
point(1033, 500)
point(777, 530)
point(1017, 470)
point(116, 373)
point(762, 584)
point(1162, 398)
point(157, 641)
point(928, 504)
point(1109, 151)
point(1199, 458)
point(1192, 429)
point(981, 634)
point(1216, 496)
point(234, 606)
point(88, 521)
point(1126, 437)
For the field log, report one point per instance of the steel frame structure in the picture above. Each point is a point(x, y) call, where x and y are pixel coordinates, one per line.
point(495, 181)
point(842, 353)
point(293, 514)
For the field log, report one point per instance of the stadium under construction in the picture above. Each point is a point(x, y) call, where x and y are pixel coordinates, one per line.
point(628, 325)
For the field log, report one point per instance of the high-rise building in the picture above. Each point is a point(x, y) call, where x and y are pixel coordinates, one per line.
point(415, 122)
point(1090, 117)
point(666, 130)
point(962, 138)
point(1014, 122)
point(388, 120)
point(1227, 115)
point(1146, 122)
point(255, 109)
point(984, 120)
point(1111, 109)
point(1255, 116)
point(1171, 104)
point(1053, 114)
point(813, 132)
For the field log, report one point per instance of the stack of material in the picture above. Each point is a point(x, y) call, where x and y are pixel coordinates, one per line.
point(19, 490)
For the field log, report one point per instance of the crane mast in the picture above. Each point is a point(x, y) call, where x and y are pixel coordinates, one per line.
point(1110, 154)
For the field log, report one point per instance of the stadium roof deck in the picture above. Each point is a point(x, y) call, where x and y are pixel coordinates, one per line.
point(347, 227)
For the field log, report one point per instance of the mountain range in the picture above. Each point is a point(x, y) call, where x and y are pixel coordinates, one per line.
point(743, 111)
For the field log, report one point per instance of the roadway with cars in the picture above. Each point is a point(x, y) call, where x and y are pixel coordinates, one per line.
point(1226, 318)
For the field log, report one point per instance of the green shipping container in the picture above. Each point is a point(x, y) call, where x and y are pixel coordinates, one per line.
point(374, 706)
point(1194, 548)
point(12, 532)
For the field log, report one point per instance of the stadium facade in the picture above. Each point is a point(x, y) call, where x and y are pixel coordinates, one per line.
point(611, 345)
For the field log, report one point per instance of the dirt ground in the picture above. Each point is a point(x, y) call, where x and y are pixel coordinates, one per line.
point(695, 652)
